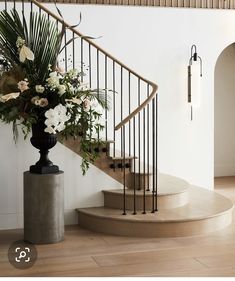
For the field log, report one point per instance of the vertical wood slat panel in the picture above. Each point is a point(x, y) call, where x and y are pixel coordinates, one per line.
point(206, 4)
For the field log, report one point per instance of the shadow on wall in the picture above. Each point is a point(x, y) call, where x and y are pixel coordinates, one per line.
point(224, 113)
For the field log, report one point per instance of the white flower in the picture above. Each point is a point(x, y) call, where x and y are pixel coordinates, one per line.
point(23, 86)
point(8, 97)
point(69, 105)
point(34, 99)
point(86, 105)
point(99, 109)
point(26, 53)
point(72, 73)
point(20, 42)
point(56, 119)
point(51, 113)
point(53, 81)
point(53, 74)
point(74, 100)
point(60, 109)
point(61, 89)
point(39, 89)
point(50, 130)
point(94, 103)
point(37, 102)
point(70, 87)
point(60, 127)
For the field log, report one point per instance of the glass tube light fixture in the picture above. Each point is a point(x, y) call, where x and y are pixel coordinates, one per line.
point(194, 79)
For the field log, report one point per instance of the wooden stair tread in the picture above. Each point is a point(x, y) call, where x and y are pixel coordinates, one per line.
point(72, 139)
point(207, 211)
point(107, 141)
point(203, 204)
point(170, 190)
point(172, 194)
point(118, 156)
point(167, 185)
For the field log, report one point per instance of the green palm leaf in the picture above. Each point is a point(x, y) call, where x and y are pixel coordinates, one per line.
point(41, 36)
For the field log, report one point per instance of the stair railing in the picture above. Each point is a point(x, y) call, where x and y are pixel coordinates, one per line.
point(131, 121)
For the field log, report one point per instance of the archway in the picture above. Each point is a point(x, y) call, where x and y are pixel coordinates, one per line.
point(224, 130)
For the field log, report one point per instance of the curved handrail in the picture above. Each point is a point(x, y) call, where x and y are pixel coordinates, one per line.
point(139, 108)
point(154, 86)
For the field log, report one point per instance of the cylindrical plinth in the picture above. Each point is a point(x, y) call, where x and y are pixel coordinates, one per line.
point(43, 207)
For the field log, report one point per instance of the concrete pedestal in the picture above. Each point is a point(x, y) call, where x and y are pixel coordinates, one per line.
point(43, 208)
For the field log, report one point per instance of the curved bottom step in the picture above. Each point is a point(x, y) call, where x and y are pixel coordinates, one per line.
point(206, 212)
point(172, 193)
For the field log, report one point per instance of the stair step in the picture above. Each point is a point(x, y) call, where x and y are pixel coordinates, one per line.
point(165, 182)
point(103, 141)
point(172, 193)
point(74, 143)
point(207, 212)
point(118, 157)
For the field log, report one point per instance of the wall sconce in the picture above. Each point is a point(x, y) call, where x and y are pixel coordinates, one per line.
point(194, 79)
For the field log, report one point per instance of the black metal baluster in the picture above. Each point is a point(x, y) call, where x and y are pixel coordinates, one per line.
point(73, 50)
point(98, 79)
point(144, 187)
point(89, 64)
point(124, 172)
point(48, 29)
point(31, 7)
point(139, 134)
point(6, 43)
point(106, 89)
point(65, 52)
point(153, 145)
point(114, 111)
point(82, 64)
point(129, 110)
point(148, 140)
point(121, 93)
point(134, 148)
point(22, 2)
point(156, 153)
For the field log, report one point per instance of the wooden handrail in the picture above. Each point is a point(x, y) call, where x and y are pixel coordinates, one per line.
point(154, 86)
point(139, 108)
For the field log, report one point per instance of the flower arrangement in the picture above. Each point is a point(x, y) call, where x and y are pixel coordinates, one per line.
point(33, 87)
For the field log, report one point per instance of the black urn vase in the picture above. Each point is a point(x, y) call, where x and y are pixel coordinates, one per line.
point(43, 141)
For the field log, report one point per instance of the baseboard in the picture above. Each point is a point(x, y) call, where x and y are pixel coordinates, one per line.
point(15, 220)
point(224, 171)
point(11, 221)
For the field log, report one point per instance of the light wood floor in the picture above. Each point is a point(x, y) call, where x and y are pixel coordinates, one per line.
point(84, 253)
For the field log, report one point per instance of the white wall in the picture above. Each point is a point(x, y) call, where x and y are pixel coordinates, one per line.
point(156, 43)
point(79, 191)
point(225, 113)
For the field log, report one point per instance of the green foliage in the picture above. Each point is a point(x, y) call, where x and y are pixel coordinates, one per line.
point(33, 88)
point(41, 36)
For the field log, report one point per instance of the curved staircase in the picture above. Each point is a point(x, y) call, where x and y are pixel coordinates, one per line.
point(183, 210)
point(150, 204)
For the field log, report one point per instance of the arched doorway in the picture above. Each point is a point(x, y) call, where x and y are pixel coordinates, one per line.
point(224, 130)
